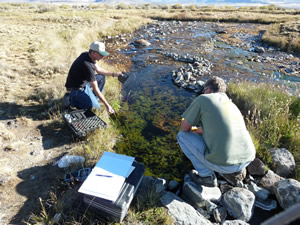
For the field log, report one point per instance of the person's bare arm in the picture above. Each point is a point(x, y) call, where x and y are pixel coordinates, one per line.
point(96, 90)
point(185, 126)
point(104, 72)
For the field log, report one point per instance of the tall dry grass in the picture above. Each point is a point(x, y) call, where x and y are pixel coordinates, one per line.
point(284, 36)
point(272, 116)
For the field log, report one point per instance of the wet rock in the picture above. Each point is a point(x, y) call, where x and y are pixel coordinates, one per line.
point(284, 162)
point(268, 204)
point(220, 214)
point(270, 180)
point(221, 31)
point(288, 192)
point(204, 213)
point(210, 207)
point(256, 167)
point(199, 195)
point(224, 187)
point(182, 212)
point(190, 75)
point(239, 202)
point(259, 192)
point(141, 42)
point(160, 185)
point(259, 49)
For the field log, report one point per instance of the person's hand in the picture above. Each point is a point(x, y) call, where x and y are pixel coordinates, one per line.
point(118, 74)
point(196, 130)
point(110, 110)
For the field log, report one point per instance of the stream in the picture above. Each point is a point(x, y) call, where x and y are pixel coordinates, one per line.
point(152, 104)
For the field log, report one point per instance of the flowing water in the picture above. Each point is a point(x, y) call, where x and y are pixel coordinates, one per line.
point(153, 104)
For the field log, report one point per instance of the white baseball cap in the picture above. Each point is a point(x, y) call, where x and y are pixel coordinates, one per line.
point(99, 47)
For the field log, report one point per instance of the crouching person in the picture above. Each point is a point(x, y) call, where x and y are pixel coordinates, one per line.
point(86, 80)
point(220, 142)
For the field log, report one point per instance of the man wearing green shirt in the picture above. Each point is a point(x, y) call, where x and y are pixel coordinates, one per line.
point(214, 136)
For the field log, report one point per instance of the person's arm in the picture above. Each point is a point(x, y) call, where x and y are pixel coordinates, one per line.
point(104, 72)
point(96, 90)
point(185, 126)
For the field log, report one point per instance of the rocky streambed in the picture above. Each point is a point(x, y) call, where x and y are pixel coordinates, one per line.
point(262, 194)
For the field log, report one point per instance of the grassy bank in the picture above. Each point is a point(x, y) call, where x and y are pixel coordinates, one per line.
point(272, 118)
point(40, 42)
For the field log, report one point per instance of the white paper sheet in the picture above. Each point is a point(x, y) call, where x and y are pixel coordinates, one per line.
point(103, 184)
point(116, 163)
point(108, 176)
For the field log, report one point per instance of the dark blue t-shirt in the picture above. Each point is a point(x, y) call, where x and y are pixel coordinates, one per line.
point(81, 72)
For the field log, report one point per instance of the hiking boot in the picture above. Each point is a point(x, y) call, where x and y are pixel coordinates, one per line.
point(236, 178)
point(210, 181)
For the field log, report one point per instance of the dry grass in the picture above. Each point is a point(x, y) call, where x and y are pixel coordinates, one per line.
point(284, 36)
point(39, 42)
point(273, 118)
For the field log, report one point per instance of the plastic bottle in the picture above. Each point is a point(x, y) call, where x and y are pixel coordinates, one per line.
point(70, 159)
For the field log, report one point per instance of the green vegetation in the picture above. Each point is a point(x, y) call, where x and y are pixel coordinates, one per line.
point(272, 118)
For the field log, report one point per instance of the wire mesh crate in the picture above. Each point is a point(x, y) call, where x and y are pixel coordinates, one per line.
point(81, 122)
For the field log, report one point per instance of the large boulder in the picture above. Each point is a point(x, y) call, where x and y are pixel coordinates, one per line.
point(239, 202)
point(256, 167)
point(199, 195)
point(284, 162)
point(270, 180)
point(288, 192)
point(149, 184)
point(182, 212)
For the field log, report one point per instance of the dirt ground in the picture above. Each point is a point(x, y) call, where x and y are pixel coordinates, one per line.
point(29, 142)
point(28, 150)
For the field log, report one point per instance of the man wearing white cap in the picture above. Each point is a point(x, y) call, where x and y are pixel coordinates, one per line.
point(85, 74)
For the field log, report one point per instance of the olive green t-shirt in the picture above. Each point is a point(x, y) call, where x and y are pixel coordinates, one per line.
point(227, 140)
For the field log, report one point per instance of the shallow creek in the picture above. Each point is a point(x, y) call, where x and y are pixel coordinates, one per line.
point(153, 104)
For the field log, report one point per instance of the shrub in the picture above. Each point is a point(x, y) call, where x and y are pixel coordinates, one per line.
point(122, 6)
point(42, 8)
point(177, 6)
point(272, 116)
point(192, 7)
point(163, 7)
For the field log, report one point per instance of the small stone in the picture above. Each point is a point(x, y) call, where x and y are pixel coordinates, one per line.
point(173, 184)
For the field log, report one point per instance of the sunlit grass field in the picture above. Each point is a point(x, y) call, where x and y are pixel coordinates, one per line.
point(40, 41)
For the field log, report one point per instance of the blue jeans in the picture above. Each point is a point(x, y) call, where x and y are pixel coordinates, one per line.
point(86, 99)
point(193, 146)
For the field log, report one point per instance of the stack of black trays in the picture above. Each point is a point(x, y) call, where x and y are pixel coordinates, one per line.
point(82, 122)
point(116, 211)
